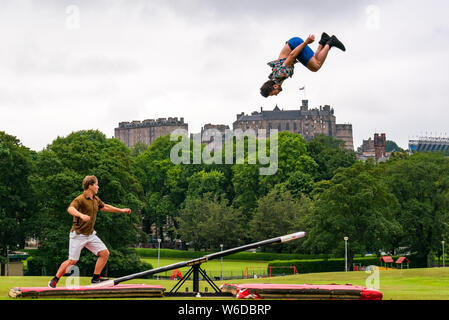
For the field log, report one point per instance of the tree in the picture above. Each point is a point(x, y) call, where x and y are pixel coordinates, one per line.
point(299, 184)
point(138, 148)
point(329, 154)
point(391, 146)
point(292, 158)
point(60, 169)
point(245, 180)
point(357, 204)
point(164, 183)
point(202, 182)
point(279, 213)
point(420, 184)
point(16, 197)
point(207, 221)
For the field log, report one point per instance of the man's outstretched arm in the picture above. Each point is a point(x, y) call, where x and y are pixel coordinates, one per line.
point(109, 208)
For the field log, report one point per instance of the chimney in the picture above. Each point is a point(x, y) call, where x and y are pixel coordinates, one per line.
point(305, 105)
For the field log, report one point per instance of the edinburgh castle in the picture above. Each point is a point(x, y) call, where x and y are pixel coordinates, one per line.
point(147, 131)
point(306, 122)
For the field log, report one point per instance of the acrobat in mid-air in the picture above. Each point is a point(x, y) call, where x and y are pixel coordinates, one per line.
point(294, 50)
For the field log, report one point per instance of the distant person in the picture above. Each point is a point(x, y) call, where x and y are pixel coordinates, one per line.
point(294, 50)
point(84, 210)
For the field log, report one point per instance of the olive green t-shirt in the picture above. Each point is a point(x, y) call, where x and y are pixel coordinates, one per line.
point(84, 204)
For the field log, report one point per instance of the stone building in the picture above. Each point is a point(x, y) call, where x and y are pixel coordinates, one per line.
point(367, 148)
point(374, 148)
point(205, 131)
point(307, 122)
point(207, 135)
point(147, 131)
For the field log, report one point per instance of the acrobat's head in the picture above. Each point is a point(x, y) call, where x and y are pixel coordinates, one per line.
point(270, 88)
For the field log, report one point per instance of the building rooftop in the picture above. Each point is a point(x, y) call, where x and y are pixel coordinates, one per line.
point(424, 144)
point(281, 114)
point(151, 122)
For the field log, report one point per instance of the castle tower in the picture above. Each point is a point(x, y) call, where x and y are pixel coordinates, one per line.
point(379, 145)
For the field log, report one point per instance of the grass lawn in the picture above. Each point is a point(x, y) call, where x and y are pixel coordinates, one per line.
point(413, 284)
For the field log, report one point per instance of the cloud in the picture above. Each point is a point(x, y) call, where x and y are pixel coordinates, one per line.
point(205, 61)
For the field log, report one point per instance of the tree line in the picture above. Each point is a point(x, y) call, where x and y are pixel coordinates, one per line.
point(319, 187)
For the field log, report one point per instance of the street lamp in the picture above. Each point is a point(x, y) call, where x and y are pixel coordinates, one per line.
point(7, 262)
point(442, 242)
point(221, 246)
point(158, 254)
point(346, 253)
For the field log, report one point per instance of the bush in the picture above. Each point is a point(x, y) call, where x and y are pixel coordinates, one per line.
point(309, 266)
point(37, 265)
point(331, 265)
point(124, 262)
point(245, 256)
point(121, 262)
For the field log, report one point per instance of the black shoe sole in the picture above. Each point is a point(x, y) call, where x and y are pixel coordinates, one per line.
point(98, 281)
point(334, 42)
point(324, 39)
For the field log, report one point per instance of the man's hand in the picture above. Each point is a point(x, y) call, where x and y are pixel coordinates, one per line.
point(310, 39)
point(78, 214)
point(84, 217)
point(126, 210)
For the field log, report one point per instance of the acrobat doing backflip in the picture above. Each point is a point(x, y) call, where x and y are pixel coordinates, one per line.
point(294, 50)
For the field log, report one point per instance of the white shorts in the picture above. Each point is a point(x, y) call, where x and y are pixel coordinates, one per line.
point(79, 241)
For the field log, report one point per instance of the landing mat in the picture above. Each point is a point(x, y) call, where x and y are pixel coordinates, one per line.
point(303, 291)
point(118, 291)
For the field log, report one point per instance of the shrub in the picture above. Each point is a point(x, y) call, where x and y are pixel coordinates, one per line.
point(245, 256)
point(121, 262)
point(332, 265)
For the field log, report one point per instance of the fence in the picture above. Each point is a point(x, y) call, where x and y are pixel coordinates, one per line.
point(270, 271)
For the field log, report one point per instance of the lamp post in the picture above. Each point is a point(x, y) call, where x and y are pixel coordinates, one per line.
point(221, 277)
point(346, 253)
point(7, 262)
point(158, 254)
point(442, 242)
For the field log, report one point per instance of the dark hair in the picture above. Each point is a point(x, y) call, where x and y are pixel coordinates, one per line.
point(88, 181)
point(267, 87)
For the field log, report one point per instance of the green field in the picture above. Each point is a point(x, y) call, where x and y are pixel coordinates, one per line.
point(413, 284)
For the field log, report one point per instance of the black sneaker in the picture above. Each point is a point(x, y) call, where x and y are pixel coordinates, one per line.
point(52, 283)
point(324, 39)
point(98, 280)
point(334, 42)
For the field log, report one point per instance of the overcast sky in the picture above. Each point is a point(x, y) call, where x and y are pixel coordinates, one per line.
point(73, 65)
